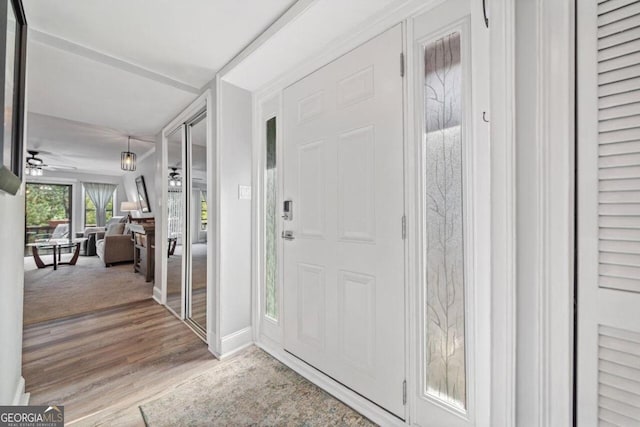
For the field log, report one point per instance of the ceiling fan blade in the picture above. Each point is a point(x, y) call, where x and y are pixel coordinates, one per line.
point(61, 167)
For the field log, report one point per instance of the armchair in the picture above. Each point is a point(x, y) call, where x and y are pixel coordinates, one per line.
point(93, 234)
point(88, 247)
point(115, 245)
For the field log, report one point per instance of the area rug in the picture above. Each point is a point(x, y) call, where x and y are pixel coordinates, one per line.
point(252, 389)
point(85, 287)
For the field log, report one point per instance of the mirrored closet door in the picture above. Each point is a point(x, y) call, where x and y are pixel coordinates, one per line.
point(176, 223)
point(198, 222)
point(188, 222)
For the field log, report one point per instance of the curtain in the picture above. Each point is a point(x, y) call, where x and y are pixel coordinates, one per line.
point(99, 195)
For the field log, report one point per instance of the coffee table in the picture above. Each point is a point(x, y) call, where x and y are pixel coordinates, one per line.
point(56, 245)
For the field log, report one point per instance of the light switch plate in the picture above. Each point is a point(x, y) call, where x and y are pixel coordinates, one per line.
point(244, 192)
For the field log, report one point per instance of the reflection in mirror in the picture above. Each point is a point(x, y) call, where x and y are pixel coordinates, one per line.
point(199, 222)
point(176, 220)
point(9, 80)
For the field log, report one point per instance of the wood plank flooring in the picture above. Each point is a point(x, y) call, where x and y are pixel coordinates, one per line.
point(110, 360)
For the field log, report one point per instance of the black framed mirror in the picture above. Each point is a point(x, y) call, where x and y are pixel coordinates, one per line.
point(13, 52)
point(143, 198)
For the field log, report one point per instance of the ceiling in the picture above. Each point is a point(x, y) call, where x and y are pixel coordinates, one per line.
point(306, 36)
point(100, 70)
point(76, 146)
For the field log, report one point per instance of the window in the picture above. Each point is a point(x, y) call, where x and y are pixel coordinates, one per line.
point(90, 210)
point(270, 223)
point(443, 252)
point(46, 207)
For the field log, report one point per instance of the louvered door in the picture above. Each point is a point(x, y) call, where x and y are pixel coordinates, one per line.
point(608, 213)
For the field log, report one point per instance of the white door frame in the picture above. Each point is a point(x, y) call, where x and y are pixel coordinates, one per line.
point(476, 208)
point(545, 396)
point(265, 109)
point(204, 101)
point(501, 410)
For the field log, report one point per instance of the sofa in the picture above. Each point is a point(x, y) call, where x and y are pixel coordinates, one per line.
point(115, 244)
point(88, 247)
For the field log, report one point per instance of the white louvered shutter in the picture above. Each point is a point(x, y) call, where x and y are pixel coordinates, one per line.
point(608, 213)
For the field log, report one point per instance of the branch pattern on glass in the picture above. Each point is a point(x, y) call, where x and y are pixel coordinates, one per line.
point(271, 215)
point(444, 251)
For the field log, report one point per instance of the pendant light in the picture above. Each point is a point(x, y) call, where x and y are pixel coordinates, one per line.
point(127, 158)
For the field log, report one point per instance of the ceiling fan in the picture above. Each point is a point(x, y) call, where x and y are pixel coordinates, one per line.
point(175, 180)
point(35, 164)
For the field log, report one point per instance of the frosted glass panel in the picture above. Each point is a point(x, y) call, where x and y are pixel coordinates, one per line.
point(271, 214)
point(443, 251)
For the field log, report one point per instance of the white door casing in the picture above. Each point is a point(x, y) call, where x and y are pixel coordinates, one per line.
point(608, 292)
point(448, 42)
point(343, 279)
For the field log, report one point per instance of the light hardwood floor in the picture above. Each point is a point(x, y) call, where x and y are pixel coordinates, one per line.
point(110, 360)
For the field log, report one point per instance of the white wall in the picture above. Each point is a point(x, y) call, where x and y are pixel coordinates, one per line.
point(11, 283)
point(235, 133)
point(146, 167)
point(76, 180)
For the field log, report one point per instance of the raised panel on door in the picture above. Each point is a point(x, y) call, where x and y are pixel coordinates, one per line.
point(356, 185)
point(343, 172)
point(608, 214)
point(311, 305)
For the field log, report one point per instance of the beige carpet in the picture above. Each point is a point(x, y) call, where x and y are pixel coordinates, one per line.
point(71, 290)
point(252, 389)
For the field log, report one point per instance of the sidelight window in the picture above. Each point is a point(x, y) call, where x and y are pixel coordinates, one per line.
point(271, 215)
point(443, 251)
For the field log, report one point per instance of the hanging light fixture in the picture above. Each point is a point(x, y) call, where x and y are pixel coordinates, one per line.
point(32, 170)
point(174, 178)
point(127, 158)
point(34, 166)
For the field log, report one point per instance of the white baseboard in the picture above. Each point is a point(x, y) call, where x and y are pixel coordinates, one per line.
point(340, 392)
point(233, 343)
point(20, 397)
point(157, 295)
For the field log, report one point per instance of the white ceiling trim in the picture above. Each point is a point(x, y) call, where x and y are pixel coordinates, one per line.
point(296, 63)
point(76, 49)
point(147, 154)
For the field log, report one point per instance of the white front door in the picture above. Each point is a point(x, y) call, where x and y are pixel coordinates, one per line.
point(343, 278)
point(608, 213)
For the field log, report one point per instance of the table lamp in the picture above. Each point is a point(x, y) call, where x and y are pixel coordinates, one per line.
point(128, 207)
